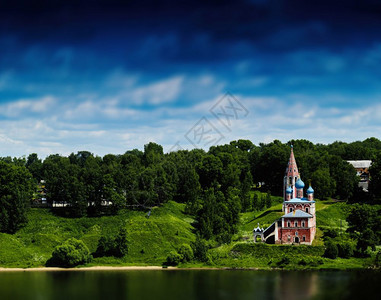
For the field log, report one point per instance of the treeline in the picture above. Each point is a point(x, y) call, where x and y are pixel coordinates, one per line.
point(215, 185)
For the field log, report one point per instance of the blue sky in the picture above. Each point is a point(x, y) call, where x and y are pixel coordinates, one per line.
point(110, 76)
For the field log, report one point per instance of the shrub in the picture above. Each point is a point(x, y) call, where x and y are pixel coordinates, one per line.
point(331, 250)
point(283, 262)
point(186, 253)
point(345, 249)
point(173, 259)
point(331, 233)
point(71, 253)
point(113, 245)
point(302, 262)
point(200, 249)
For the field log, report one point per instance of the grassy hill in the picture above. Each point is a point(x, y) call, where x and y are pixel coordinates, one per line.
point(151, 239)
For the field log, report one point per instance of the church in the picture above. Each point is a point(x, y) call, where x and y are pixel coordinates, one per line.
point(298, 224)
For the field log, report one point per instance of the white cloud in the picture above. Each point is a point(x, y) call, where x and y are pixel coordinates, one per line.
point(24, 106)
point(156, 93)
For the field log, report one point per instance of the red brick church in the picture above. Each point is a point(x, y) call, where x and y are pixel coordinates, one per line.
point(298, 224)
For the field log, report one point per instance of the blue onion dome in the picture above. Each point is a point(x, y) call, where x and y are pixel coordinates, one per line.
point(289, 190)
point(299, 184)
point(310, 190)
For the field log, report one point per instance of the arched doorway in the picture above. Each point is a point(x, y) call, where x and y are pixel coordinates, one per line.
point(296, 239)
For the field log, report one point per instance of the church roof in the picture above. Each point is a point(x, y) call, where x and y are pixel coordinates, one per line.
point(297, 214)
point(299, 184)
point(299, 200)
point(292, 168)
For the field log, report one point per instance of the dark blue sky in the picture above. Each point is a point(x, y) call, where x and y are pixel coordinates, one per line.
point(108, 76)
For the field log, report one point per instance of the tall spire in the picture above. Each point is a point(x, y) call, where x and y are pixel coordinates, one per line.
point(292, 168)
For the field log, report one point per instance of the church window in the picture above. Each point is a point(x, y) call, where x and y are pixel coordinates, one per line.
point(296, 233)
point(304, 238)
point(307, 210)
point(296, 224)
point(303, 224)
point(288, 224)
point(289, 238)
point(290, 209)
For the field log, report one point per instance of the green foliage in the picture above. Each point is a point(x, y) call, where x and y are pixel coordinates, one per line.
point(375, 175)
point(173, 259)
point(166, 229)
point(367, 239)
point(331, 250)
point(71, 253)
point(186, 253)
point(323, 184)
point(345, 249)
point(365, 220)
point(283, 262)
point(15, 193)
point(200, 249)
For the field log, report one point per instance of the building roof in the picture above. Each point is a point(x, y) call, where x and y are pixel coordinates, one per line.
point(292, 168)
point(297, 214)
point(299, 200)
point(258, 229)
point(360, 164)
point(310, 190)
point(299, 184)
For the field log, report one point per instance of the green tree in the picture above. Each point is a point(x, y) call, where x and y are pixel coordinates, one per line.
point(323, 184)
point(186, 253)
point(375, 177)
point(331, 250)
point(71, 253)
point(16, 187)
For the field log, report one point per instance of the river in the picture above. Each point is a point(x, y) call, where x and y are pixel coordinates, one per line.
point(190, 284)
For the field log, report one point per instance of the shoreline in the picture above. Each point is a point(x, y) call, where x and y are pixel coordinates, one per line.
point(107, 268)
point(95, 268)
point(158, 268)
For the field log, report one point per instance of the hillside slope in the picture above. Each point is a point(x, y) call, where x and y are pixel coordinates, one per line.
point(150, 239)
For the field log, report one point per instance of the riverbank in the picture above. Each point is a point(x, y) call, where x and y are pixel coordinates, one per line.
point(95, 268)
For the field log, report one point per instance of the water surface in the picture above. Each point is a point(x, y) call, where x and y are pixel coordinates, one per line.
point(190, 284)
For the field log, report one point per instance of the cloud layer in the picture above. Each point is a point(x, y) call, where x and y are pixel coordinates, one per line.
point(115, 75)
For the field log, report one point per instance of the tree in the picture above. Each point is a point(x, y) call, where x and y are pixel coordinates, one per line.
point(16, 187)
point(109, 245)
point(246, 183)
point(323, 184)
point(71, 253)
point(362, 217)
point(186, 253)
point(367, 239)
point(331, 250)
point(375, 177)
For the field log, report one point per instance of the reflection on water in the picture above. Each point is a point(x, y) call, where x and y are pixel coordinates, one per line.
point(190, 284)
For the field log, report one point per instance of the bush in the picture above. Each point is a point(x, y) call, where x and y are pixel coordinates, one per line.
point(283, 262)
point(71, 253)
point(113, 245)
point(331, 250)
point(173, 259)
point(331, 233)
point(186, 253)
point(200, 249)
point(345, 249)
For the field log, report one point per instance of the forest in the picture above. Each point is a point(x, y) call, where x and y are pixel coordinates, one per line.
point(215, 185)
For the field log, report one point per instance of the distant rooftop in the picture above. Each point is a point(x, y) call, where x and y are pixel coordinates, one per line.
point(297, 214)
point(299, 200)
point(360, 164)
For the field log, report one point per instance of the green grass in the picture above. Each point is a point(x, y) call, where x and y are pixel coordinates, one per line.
point(151, 239)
